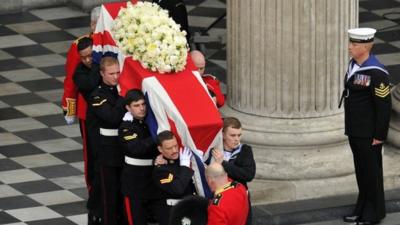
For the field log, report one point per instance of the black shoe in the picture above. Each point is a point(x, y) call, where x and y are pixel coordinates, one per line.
point(364, 222)
point(94, 220)
point(350, 218)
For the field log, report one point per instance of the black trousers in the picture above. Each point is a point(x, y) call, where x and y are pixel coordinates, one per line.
point(112, 197)
point(369, 173)
point(92, 177)
point(138, 210)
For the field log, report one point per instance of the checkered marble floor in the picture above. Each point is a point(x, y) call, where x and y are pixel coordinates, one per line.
point(41, 168)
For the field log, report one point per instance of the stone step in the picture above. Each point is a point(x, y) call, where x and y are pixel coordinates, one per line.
point(321, 211)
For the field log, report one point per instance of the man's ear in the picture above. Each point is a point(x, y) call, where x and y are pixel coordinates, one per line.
point(127, 108)
point(159, 149)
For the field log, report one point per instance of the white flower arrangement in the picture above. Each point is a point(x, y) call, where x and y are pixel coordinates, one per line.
point(146, 32)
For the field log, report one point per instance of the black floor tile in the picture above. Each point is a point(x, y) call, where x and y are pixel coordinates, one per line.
point(71, 22)
point(13, 64)
point(23, 99)
point(195, 29)
point(54, 71)
point(219, 55)
point(8, 164)
point(216, 71)
point(388, 36)
point(7, 218)
point(6, 31)
point(52, 120)
point(78, 139)
point(193, 2)
point(207, 12)
point(57, 171)
point(10, 113)
point(214, 45)
point(17, 202)
point(70, 156)
point(368, 16)
point(33, 187)
point(394, 72)
point(22, 17)
point(221, 23)
point(51, 36)
point(30, 50)
point(41, 85)
point(379, 4)
point(384, 48)
point(3, 80)
point(20, 150)
point(58, 221)
point(69, 209)
point(39, 134)
point(81, 192)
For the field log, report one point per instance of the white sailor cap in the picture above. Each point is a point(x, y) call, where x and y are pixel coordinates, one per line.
point(361, 35)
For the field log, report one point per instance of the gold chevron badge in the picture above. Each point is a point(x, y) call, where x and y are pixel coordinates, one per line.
point(382, 91)
point(100, 103)
point(130, 137)
point(168, 179)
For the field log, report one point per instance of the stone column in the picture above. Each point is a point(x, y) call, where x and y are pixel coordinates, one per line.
point(286, 62)
point(394, 129)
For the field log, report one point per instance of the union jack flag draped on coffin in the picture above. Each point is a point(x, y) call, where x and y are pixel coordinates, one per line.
point(177, 101)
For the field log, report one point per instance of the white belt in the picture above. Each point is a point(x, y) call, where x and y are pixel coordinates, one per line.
point(138, 162)
point(108, 132)
point(172, 202)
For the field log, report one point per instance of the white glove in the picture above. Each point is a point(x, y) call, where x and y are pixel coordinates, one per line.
point(69, 119)
point(128, 117)
point(184, 157)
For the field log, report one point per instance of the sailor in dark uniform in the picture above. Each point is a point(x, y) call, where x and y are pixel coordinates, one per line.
point(237, 158)
point(367, 104)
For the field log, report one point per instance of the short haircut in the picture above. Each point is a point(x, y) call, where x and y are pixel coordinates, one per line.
point(84, 43)
point(95, 13)
point(215, 170)
point(133, 95)
point(107, 61)
point(163, 136)
point(231, 122)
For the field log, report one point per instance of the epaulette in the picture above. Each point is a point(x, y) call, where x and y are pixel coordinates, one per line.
point(209, 75)
point(234, 184)
point(79, 38)
point(217, 199)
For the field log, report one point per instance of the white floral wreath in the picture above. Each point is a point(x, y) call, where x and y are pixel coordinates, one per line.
point(146, 32)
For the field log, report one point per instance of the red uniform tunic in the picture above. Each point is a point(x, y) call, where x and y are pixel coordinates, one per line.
point(72, 102)
point(213, 85)
point(230, 206)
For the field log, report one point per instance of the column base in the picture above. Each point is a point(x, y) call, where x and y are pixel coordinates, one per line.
point(274, 191)
point(296, 149)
